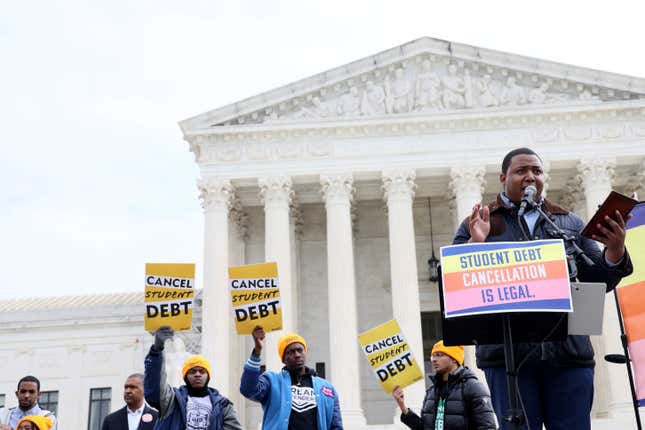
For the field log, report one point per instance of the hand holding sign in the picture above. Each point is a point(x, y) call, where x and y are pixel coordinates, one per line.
point(258, 339)
point(397, 393)
point(162, 335)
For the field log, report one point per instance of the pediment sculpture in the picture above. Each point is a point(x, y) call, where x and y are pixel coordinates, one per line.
point(426, 87)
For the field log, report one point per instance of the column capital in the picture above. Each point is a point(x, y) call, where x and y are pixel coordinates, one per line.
point(594, 172)
point(572, 193)
point(466, 179)
point(276, 190)
point(215, 193)
point(399, 184)
point(337, 189)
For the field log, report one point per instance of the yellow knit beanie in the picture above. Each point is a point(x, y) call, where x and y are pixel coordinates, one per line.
point(456, 352)
point(43, 423)
point(195, 361)
point(287, 340)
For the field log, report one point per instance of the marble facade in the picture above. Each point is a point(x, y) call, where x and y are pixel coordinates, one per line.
point(330, 176)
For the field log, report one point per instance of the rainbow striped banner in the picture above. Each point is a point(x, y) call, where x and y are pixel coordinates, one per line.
point(631, 290)
point(480, 278)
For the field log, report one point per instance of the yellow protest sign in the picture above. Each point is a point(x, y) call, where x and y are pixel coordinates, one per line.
point(390, 356)
point(169, 296)
point(255, 295)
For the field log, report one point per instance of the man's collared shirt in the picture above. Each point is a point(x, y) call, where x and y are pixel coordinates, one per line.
point(531, 216)
point(18, 414)
point(134, 418)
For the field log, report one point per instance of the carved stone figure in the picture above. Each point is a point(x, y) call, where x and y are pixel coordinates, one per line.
point(373, 102)
point(486, 96)
point(538, 95)
point(318, 110)
point(453, 89)
point(350, 103)
point(586, 95)
point(512, 94)
point(398, 93)
point(428, 88)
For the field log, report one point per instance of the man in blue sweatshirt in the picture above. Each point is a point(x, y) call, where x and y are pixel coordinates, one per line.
point(294, 398)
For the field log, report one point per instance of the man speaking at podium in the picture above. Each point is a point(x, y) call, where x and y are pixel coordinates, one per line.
point(556, 381)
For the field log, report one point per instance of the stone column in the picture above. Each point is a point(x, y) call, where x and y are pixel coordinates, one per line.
point(276, 193)
point(466, 187)
point(217, 196)
point(399, 187)
point(596, 176)
point(238, 227)
point(343, 326)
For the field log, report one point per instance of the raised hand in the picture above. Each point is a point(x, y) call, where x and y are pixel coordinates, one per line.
point(162, 335)
point(613, 237)
point(258, 339)
point(397, 393)
point(479, 225)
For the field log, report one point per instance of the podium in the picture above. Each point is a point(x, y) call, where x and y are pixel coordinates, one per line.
point(508, 328)
point(586, 319)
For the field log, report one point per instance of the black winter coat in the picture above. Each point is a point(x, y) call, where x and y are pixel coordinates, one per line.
point(575, 351)
point(468, 405)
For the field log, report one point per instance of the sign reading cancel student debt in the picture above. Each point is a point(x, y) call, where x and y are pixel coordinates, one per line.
point(390, 356)
point(169, 296)
point(480, 278)
point(255, 294)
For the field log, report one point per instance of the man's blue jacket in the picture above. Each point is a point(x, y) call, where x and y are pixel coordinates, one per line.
point(273, 391)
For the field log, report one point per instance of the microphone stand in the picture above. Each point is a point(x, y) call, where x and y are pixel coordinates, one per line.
point(571, 247)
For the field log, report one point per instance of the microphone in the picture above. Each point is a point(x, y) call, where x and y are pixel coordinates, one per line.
point(528, 199)
point(616, 358)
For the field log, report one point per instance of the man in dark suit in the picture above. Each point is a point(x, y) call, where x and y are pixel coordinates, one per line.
point(136, 415)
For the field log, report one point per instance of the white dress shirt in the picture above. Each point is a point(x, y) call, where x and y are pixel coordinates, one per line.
point(134, 418)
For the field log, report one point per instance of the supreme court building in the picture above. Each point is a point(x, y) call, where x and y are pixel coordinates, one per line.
point(346, 179)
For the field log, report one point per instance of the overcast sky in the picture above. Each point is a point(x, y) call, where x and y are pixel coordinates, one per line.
point(95, 178)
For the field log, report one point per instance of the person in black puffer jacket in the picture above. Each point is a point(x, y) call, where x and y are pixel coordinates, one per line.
point(456, 400)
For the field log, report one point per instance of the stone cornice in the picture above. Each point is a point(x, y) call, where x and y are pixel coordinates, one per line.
point(437, 50)
point(224, 144)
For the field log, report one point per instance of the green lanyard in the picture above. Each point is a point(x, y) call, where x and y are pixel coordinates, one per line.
point(441, 409)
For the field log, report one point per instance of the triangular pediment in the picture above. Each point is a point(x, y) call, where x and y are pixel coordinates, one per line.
point(425, 76)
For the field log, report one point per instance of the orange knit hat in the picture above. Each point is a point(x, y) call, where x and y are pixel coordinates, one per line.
point(287, 340)
point(195, 361)
point(455, 352)
point(42, 423)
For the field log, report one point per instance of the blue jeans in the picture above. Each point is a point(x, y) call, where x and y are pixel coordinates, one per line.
point(558, 397)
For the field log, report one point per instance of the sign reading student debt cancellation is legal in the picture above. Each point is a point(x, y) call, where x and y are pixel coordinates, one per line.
point(390, 356)
point(494, 277)
point(169, 296)
point(255, 294)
